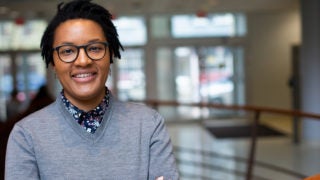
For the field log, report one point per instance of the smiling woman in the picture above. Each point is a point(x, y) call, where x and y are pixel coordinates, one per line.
point(86, 133)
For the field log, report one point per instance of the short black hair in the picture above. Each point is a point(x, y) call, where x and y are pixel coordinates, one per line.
point(81, 9)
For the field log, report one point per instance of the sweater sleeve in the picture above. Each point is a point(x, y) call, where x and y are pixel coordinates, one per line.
point(162, 161)
point(20, 156)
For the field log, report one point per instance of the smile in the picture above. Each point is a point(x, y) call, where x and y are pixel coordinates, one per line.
point(85, 75)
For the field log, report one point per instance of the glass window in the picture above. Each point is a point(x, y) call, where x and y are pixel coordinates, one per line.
point(159, 26)
point(6, 80)
point(131, 77)
point(212, 82)
point(31, 73)
point(212, 25)
point(186, 75)
point(13, 36)
point(5, 83)
point(6, 29)
point(21, 76)
point(132, 30)
point(200, 74)
point(216, 74)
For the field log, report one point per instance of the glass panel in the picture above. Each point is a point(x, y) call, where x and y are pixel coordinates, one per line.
point(27, 70)
point(6, 33)
point(30, 75)
point(201, 74)
point(131, 30)
point(13, 36)
point(6, 79)
point(187, 81)
point(160, 26)
point(166, 83)
point(131, 76)
point(211, 25)
point(165, 66)
point(187, 73)
point(216, 73)
point(5, 84)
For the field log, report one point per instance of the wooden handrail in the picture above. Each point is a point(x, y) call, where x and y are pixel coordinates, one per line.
point(253, 109)
point(156, 103)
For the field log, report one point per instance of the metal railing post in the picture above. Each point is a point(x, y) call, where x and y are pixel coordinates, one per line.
point(252, 152)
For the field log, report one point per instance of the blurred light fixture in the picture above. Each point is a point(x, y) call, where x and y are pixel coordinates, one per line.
point(19, 21)
point(201, 13)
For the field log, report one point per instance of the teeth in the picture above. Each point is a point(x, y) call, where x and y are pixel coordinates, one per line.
point(83, 75)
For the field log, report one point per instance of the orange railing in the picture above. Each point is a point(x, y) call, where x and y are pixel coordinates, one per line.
point(252, 109)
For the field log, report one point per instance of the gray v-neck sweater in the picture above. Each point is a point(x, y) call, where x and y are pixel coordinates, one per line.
point(132, 143)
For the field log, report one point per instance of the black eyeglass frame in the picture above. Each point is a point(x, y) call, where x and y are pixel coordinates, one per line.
point(106, 44)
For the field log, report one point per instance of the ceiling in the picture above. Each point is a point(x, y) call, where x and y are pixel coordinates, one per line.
point(46, 8)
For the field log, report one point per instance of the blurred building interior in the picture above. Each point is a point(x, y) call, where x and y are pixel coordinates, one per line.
point(244, 53)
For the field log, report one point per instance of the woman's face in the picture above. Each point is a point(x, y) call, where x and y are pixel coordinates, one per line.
point(84, 79)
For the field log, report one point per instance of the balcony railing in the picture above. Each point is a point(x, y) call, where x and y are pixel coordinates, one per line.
point(257, 111)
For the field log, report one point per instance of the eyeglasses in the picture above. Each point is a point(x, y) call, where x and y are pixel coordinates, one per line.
point(69, 53)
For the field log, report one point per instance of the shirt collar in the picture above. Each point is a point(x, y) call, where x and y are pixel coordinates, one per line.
point(96, 113)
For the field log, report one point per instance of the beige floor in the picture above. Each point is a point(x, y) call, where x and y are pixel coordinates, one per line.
point(303, 158)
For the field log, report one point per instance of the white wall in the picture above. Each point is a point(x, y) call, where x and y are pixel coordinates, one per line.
point(268, 59)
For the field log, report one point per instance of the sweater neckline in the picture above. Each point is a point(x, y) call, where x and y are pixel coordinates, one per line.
point(78, 129)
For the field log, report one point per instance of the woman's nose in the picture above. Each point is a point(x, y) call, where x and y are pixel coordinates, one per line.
point(82, 59)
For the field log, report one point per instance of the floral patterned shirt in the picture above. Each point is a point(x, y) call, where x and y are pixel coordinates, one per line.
point(90, 120)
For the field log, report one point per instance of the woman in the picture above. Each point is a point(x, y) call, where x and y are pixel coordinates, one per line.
point(86, 133)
